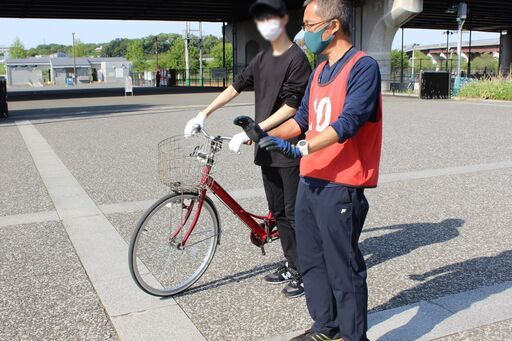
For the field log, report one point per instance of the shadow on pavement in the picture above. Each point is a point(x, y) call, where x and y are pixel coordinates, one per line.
point(64, 112)
point(407, 238)
point(450, 279)
point(79, 113)
point(85, 92)
point(237, 277)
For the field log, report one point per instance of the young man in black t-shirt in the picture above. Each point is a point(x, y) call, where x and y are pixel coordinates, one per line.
point(279, 76)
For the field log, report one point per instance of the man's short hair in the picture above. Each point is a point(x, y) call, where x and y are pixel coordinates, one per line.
point(334, 9)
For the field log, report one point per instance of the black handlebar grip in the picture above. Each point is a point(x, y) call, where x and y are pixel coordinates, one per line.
point(251, 128)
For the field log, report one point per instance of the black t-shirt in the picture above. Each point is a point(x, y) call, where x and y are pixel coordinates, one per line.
point(277, 80)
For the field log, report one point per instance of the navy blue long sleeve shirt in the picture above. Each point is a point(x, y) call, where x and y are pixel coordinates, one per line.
point(362, 98)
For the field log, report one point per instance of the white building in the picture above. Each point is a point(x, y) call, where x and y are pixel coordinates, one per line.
point(38, 72)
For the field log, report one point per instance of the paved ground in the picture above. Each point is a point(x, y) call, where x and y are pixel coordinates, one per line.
point(438, 228)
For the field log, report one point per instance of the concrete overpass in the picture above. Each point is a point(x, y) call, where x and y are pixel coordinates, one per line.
point(374, 24)
point(439, 53)
point(475, 47)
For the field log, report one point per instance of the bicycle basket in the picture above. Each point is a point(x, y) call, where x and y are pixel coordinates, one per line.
point(182, 161)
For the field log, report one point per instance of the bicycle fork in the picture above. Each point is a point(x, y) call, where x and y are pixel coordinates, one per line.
point(188, 213)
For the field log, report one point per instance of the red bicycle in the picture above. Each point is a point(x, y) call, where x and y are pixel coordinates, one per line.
point(176, 238)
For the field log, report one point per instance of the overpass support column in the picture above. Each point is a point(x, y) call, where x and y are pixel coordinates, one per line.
point(378, 23)
point(506, 54)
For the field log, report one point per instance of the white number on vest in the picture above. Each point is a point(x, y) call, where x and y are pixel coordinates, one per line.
point(323, 111)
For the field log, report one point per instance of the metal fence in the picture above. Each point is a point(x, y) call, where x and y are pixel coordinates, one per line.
point(208, 77)
point(400, 79)
point(404, 79)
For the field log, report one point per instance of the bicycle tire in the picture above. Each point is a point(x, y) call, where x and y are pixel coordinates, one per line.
point(149, 282)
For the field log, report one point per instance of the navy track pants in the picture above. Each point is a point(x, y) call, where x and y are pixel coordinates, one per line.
point(329, 221)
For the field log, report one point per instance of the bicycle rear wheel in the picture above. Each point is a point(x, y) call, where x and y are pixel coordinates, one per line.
point(158, 263)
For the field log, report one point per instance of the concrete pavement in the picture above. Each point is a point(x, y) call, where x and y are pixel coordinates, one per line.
point(438, 232)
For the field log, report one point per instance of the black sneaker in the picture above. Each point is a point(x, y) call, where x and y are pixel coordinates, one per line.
point(311, 335)
point(281, 275)
point(295, 288)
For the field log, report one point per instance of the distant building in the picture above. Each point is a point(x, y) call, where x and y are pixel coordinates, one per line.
point(56, 69)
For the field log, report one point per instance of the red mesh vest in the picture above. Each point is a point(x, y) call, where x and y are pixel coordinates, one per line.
point(354, 162)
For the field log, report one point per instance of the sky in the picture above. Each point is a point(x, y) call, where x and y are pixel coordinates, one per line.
point(33, 32)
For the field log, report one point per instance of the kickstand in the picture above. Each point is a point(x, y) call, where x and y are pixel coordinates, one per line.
point(262, 250)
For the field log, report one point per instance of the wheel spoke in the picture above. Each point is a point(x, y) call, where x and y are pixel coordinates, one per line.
point(174, 268)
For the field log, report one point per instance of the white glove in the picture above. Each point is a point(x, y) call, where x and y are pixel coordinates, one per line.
point(191, 125)
point(237, 141)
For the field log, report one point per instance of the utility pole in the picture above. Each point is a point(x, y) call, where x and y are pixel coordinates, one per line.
point(224, 54)
point(74, 61)
point(187, 64)
point(156, 49)
point(188, 37)
point(201, 53)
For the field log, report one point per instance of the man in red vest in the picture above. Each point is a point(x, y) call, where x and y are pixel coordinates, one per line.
point(341, 114)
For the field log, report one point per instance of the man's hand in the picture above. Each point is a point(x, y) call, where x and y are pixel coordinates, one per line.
point(190, 128)
point(272, 143)
point(237, 141)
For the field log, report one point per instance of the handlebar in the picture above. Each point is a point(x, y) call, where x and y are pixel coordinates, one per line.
point(251, 128)
point(197, 128)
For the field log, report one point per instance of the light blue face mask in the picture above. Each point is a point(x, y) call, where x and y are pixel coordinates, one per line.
point(314, 40)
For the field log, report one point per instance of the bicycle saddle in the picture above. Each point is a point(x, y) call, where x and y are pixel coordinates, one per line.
point(251, 128)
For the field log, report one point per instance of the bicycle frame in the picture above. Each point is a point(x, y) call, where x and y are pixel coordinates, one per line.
point(263, 232)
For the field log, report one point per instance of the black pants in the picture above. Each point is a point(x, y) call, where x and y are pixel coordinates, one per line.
point(281, 190)
point(329, 223)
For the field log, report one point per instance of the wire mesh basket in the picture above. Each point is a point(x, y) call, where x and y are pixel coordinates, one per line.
point(182, 161)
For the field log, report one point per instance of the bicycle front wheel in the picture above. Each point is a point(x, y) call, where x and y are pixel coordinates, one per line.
point(160, 263)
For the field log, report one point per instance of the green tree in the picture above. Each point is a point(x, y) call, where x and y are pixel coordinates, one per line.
point(422, 62)
point(452, 62)
point(216, 54)
point(310, 55)
point(484, 63)
point(2, 69)
point(81, 49)
point(175, 57)
point(135, 54)
point(396, 64)
point(17, 50)
point(115, 48)
point(46, 49)
point(209, 42)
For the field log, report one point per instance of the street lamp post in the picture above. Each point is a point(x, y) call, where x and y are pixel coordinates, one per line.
point(402, 62)
point(448, 33)
point(74, 61)
point(413, 78)
point(462, 12)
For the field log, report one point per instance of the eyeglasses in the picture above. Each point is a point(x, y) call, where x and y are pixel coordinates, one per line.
point(308, 27)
